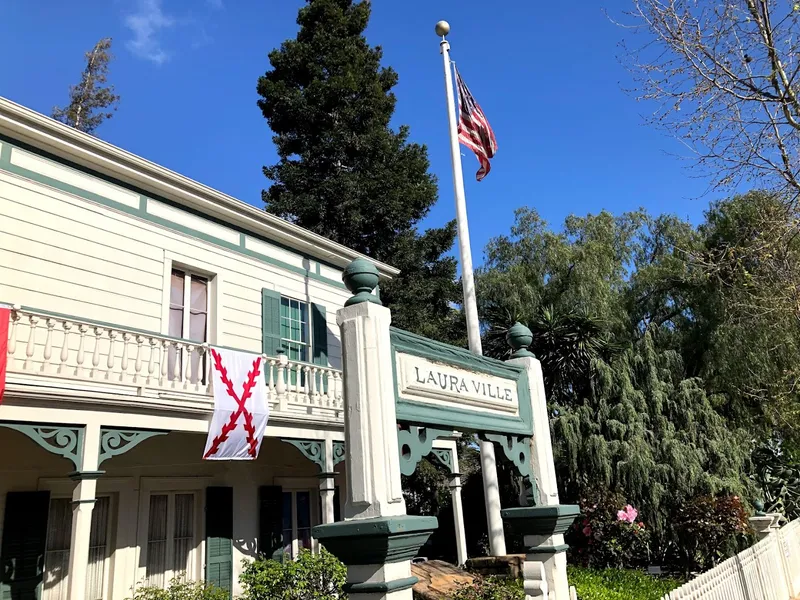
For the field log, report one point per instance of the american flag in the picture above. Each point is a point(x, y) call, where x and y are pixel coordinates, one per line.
point(474, 130)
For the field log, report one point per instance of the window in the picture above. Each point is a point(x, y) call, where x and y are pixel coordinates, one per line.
point(56, 559)
point(296, 522)
point(188, 317)
point(294, 329)
point(170, 537)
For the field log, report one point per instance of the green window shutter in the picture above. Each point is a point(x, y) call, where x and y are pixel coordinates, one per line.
point(219, 535)
point(270, 521)
point(23, 546)
point(319, 335)
point(270, 322)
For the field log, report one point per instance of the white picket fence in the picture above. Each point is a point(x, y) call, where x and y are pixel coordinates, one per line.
point(769, 570)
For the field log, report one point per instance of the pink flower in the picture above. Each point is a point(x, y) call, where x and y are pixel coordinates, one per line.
point(628, 515)
point(587, 531)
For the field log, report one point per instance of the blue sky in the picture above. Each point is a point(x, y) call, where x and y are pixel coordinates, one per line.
point(546, 74)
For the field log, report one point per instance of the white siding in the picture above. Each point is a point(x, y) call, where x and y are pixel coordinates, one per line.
point(62, 253)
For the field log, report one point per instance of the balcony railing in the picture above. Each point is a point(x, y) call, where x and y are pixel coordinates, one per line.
point(60, 347)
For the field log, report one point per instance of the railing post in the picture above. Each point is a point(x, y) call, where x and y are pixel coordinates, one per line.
point(280, 384)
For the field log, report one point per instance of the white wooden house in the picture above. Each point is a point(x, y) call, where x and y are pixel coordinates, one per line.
point(120, 274)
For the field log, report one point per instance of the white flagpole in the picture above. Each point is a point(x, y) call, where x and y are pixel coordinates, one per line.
point(491, 487)
point(462, 226)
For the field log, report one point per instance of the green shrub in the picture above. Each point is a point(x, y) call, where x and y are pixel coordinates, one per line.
point(618, 584)
point(180, 589)
point(491, 588)
point(310, 577)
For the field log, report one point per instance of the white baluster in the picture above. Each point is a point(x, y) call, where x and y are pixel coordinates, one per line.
point(327, 391)
point(12, 334)
point(176, 371)
point(123, 364)
point(137, 363)
point(98, 332)
point(270, 377)
point(280, 386)
point(188, 371)
point(32, 320)
point(337, 389)
point(314, 391)
point(82, 329)
point(164, 362)
point(110, 360)
point(48, 345)
point(62, 358)
point(203, 353)
point(151, 363)
point(300, 385)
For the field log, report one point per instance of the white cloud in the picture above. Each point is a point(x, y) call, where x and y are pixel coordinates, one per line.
point(146, 24)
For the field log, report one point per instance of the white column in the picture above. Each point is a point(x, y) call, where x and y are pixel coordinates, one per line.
point(458, 509)
point(491, 495)
point(544, 470)
point(327, 486)
point(83, 499)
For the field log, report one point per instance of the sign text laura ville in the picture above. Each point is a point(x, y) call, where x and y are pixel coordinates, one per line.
point(437, 383)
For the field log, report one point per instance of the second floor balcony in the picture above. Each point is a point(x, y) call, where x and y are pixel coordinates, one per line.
point(52, 356)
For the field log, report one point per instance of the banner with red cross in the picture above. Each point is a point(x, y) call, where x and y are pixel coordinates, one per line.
point(240, 406)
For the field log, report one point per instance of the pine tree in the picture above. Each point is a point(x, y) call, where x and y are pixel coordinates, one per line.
point(91, 101)
point(344, 172)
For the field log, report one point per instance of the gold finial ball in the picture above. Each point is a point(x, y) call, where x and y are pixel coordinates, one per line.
point(442, 28)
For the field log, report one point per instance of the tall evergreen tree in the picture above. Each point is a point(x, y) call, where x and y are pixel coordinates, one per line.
point(91, 101)
point(344, 172)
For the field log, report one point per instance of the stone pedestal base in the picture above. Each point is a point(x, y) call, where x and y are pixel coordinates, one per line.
point(377, 553)
point(545, 568)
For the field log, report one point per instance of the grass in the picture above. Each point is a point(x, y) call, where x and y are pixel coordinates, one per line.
point(616, 584)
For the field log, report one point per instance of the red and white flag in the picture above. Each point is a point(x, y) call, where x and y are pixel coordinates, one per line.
point(5, 317)
point(474, 130)
point(240, 406)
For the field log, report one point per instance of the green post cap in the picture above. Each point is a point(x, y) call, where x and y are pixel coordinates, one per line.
point(361, 277)
point(519, 338)
point(758, 504)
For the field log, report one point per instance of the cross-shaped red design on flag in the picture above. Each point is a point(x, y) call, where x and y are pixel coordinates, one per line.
point(241, 402)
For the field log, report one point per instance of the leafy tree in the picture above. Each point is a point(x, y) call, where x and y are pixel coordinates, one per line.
point(91, 101)
point(344, 172)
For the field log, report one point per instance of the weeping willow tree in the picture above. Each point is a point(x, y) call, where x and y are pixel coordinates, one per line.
point(645, 431)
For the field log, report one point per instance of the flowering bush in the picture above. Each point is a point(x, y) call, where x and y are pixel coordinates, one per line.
point(709, 529)
point(607, 536)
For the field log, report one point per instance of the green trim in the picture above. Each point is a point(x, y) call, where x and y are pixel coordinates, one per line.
point(518, 451)
point(313, 450)
point(541, 520)
point(463, 419)
point(114, 442)
point(414, 443)
point(61, 440)
point(380, 587)
point(338, 452)
point(141, 211)
point(547, 549)
point(84, 475)
point(444, 456)
point(376, 541)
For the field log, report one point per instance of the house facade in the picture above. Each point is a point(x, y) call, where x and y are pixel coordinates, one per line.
point(121, 275)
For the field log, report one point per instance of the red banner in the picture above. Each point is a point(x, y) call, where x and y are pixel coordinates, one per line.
point(5, 315)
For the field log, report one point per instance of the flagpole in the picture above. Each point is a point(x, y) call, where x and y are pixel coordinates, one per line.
point(462, 226)
point(491, 488)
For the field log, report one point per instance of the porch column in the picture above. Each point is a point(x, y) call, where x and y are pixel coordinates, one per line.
point(327, 486)
point(458, 510)
point(491, 495)
point(83, 499)
point(377, 540)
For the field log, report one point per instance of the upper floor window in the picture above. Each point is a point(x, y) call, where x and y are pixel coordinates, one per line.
point(188, 313)
point(294, 329)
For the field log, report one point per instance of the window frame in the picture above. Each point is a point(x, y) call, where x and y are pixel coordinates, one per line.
point(305, 325)
point(301, 484)
point(174, 261)
point(58, 492)
point(172, 486)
